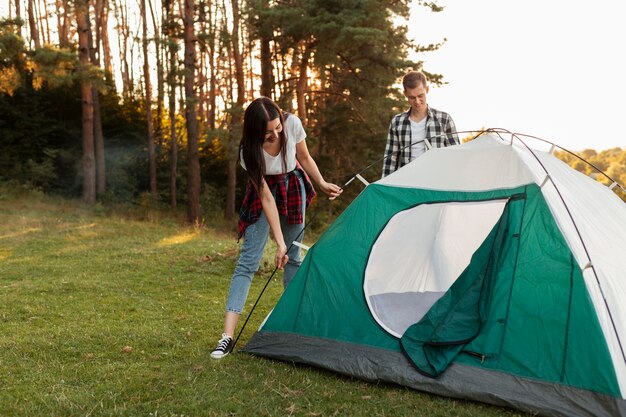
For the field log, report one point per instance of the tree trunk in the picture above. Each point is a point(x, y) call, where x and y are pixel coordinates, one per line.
point(60, 28)
point(171, 81)
point(106, 45)
point(64, 31)
point(173, 138)
point(213, 76)
point(148, 102)
point(301, 86)
point(45, 24)
point(267, 79)
point(32, 24)
point(89, 168)
point(174, 148)
point(201, 86)
point(97, 120)
point(95, 44)
point(250, 69)
point(293, 79)
point(236, 128)
point(193, 163)
point(160, 82)
point(122, 39)
point(18, 14)
point(281, 70)
point(99, 145)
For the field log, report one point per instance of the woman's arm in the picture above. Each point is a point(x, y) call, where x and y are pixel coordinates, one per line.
point(310, 167)
point(271, 213)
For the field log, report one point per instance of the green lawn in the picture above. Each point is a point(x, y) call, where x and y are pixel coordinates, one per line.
point(113, 311)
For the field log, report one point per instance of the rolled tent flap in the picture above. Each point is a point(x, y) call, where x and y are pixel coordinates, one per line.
point(456, 318)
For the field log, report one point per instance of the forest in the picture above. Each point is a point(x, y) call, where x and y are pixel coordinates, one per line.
point(115, 100)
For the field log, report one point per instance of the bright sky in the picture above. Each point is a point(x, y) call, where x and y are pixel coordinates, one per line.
point(555, 69)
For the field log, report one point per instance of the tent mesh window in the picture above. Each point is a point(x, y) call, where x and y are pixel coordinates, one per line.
point(429, 246)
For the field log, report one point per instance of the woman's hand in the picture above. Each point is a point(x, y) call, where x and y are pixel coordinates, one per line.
point(330, 189)
point(310, 167)
point(281, 256)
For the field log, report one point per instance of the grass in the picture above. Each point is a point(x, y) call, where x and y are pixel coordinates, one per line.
point(113, 311)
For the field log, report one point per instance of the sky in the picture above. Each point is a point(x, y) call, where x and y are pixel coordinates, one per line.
point(555, 69)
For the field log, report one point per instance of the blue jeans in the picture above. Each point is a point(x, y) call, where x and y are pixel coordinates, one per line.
point(254, 241)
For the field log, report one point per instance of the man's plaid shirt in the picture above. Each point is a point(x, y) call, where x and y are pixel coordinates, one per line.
point(440, 132)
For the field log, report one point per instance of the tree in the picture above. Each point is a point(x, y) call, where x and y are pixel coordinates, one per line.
point(262, 29)
point(32, 23)
point(193, 162)
point(89, 166)
point(123, 36)
point(170, 28)
point(148, 101)
point(18, 14)
point(104, 36)
point(212, 65)
point(98, 137)
point(160, 80)
point(236, 116)
point(62, 10)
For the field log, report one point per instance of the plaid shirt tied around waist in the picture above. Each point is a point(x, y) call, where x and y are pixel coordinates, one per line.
point(287, 193)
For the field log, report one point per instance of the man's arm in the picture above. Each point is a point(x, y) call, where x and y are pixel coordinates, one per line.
point(451, 135)
point(391, 154)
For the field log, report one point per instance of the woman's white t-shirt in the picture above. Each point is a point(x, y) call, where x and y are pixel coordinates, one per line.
point(294, 133)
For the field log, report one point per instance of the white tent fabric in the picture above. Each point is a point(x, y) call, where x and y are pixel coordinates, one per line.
point(580, 205)
point(479, 166)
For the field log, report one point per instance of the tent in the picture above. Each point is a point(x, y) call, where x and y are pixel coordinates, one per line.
point(488, 271)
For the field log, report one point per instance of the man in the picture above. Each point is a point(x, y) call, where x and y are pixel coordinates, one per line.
point(421, 127)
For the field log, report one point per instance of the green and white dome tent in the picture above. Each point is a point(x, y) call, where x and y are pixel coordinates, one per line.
point(487, 271)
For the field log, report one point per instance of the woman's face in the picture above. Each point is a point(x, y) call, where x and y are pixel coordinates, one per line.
point(272, 132)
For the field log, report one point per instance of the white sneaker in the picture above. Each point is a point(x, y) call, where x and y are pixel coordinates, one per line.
point(224, 346)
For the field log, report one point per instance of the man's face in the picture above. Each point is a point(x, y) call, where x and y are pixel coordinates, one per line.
point(417, 97)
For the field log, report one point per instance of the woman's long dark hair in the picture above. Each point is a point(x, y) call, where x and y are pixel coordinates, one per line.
point(255, 119)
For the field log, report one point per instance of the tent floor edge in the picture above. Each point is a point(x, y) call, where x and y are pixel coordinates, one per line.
point(459, 381)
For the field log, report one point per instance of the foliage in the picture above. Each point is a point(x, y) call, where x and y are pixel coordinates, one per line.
point(12, 51)
point(353, 51)
point(611, 162)
point(114, 311)
point(53, 66)
point(42, 128)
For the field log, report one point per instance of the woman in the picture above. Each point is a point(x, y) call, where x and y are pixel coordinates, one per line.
point(274, 153)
